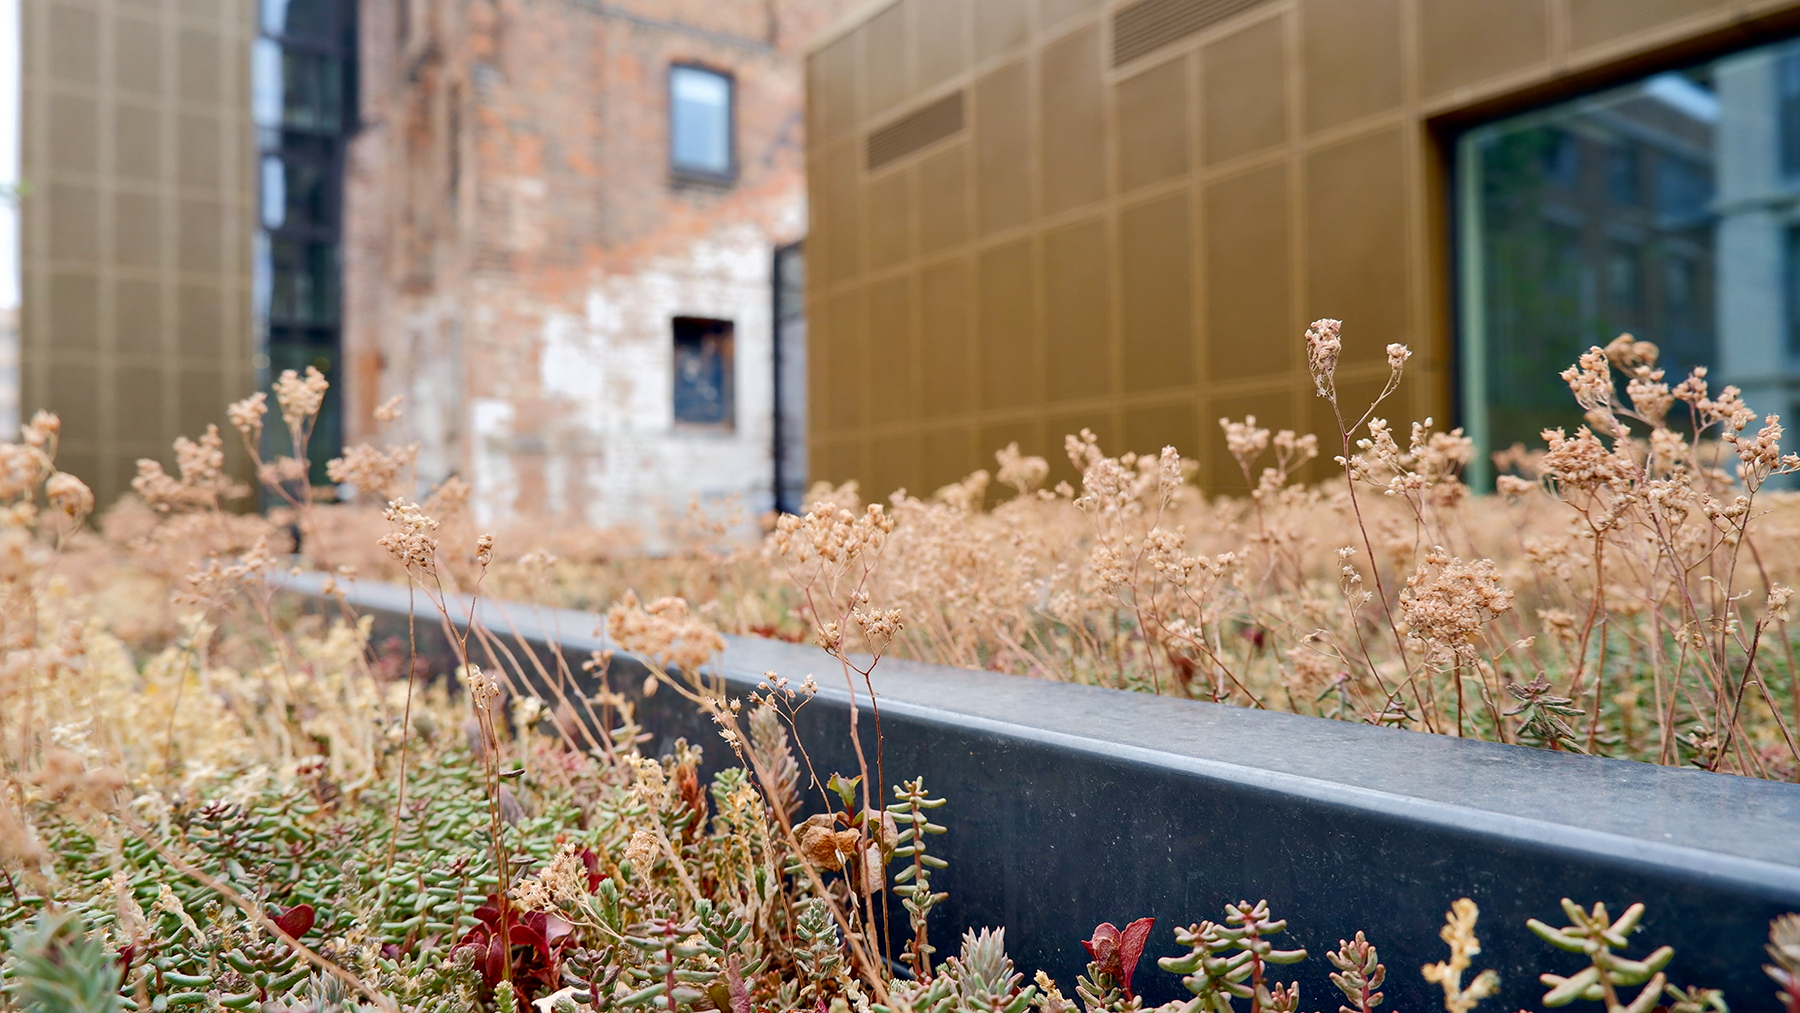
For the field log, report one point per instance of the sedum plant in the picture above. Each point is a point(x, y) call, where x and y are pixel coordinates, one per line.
point(1609, 976)
point(57, 967)
point(980, 980)
point(1359, 974)
point(1459, 934)
point(1784, 950)
point(1230, 961)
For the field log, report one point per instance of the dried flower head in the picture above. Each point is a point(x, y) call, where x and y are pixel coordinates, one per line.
point(69, 495)
point(22, 467)
point(483, 690)
point(389, 410)
point(1447, 601)
point(42, 430)
point(247, 416)
point(663, 631)
point(300, 397)
point(410, 540)
point(1324, 343)
point(641, 853)
point(1023, 472)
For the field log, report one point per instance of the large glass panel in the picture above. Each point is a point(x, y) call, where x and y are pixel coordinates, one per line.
point(1665, 208)
point(699, 121)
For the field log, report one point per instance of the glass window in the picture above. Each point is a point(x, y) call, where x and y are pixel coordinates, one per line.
point(1665, 208)
point(700, 122)
point(304, 282)
point(312, 89)
point(703, 381)
point(1787, 76)
point(306, 19)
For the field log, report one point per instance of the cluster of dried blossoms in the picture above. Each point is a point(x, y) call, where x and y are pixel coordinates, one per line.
point(1637, 569)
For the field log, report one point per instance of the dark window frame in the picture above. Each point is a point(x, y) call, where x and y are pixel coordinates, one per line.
point(692, 174)
point(707, 327)
point(311, 333)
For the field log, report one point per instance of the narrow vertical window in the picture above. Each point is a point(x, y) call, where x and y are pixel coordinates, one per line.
point(1791, 290)
point(703, 380)
point(1787, 99)
point(700, 114)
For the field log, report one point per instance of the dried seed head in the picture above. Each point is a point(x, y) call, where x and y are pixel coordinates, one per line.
point(640, 854)
point(1324, 343)
point(70, 495)
point(1777, 604)
point(389, 410)
point(483, 690)
point(247, 416)
point(300, 397)
point(410, 540)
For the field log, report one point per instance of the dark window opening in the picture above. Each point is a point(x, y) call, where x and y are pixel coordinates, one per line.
point(790, 377)
point(1622, 174)
point(1787, 97)
point(703, 373)
point(700, 123)
point(304, 105)
point(1791, 270)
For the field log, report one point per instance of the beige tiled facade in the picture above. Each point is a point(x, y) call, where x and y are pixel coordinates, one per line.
point(1128, 232)
point(136, 223)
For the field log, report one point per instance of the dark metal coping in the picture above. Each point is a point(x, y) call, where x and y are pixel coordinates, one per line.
point(1071, 805)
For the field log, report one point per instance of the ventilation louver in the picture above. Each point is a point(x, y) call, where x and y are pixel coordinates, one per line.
point(915, 130)
point(1151, 24)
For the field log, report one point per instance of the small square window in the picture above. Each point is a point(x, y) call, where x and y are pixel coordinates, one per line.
point(700, 127)
point(703, 373)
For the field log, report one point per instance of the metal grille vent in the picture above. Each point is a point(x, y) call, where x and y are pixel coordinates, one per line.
point(1151, 24)
point(915, 130)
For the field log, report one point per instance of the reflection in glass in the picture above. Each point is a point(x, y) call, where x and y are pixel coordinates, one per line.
point(699, 121)
point(304, 280)
point(312, 91)
point(1666, 208)
point(703, 372)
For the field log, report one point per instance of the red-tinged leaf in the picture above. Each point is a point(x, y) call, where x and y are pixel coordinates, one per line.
point(555, 929)
point(529, 933)
point(493, 962)
point(591, 862)
point(295, 920)
point(734, 981)
point(1131, 948)
point(1104, 948)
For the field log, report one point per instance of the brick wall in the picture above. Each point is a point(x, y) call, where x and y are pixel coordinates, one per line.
point(517, 247)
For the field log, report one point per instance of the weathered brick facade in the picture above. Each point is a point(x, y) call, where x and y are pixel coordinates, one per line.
point(517, 246)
